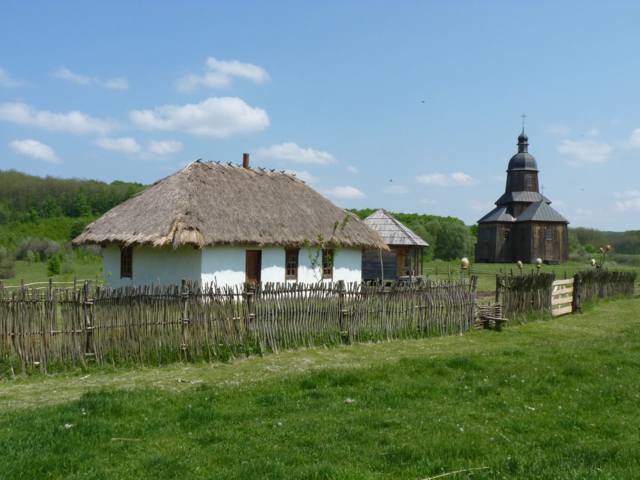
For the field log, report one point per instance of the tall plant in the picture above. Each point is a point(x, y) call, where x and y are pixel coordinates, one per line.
point(330, 246)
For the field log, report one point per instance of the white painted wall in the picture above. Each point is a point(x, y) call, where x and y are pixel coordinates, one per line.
point(153, 263)
point(223, 265)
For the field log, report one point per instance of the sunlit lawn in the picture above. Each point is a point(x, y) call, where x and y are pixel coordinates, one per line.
point(553, 399)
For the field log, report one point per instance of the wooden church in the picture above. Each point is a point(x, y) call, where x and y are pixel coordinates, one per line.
point(523, 226)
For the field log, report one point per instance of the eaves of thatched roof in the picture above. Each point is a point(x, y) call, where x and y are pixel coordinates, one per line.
point(392, 231)
point(207, 204)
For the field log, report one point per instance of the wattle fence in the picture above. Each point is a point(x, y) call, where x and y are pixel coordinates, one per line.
point(52, 328)
point(521, 294)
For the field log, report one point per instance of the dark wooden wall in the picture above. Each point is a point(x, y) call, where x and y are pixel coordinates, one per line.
point(527, 242)
point(371, 265)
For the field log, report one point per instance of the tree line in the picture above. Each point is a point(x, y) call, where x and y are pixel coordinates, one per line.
point(54, 208)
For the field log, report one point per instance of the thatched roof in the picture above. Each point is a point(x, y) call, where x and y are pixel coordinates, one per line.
point(207, 204)
point(392, 231)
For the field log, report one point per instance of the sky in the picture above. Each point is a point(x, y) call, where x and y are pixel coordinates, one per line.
point(410, 106)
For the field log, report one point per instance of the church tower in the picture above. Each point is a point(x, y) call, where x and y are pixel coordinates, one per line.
point(522, 226)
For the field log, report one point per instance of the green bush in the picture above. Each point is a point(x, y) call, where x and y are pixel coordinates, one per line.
point(53, 266)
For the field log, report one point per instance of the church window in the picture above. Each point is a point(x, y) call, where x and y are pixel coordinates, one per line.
point(506, 234)
point(529, 181)
point(549, 235)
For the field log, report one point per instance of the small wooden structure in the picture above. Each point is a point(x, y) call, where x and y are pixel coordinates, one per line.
point(405, 257)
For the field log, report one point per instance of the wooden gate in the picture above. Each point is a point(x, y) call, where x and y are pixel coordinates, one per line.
point(561, 297)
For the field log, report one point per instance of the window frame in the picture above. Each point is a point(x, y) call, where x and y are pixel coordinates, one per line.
point(290, 254)
point(507, 234)
point(126, 261)
point(327, 270)
point(549, 236)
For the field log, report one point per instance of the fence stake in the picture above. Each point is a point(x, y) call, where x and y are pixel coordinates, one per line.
point(185, 320)
point(88, 318)
point(575, 306)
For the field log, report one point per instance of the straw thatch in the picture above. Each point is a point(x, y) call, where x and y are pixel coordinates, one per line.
point(207, 204)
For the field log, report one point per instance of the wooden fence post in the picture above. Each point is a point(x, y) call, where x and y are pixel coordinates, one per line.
point(575, 305)
point(88, 319)
point(185, 319)
point(341, 308)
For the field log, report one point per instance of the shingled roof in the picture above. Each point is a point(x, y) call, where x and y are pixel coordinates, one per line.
point(392, 231)
point(207, 204)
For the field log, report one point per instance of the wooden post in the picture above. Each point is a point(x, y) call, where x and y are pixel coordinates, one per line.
point(575, 304)
point(185, 320)
point(498, 288)
point(88, 319)
point(343, 313)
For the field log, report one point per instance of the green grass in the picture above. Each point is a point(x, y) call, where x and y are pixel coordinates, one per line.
point(37, 272)
point(554, 399)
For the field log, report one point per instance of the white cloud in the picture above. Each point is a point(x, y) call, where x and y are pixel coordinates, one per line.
point(396, 189)
point(214, 117)
point(347, 192)
point(7, 81)
point(634, 139)
point(631, 202)
point(35, 149)
point(558, 203)
point(124, 145)
point(304, 176)
point(74, 122)
point(585, 150)
point(426, 201)
point(353, 170)
point(164, 147)
point(114, 83)
point(479, 206)
point(627, 194)
point(497, 178)
point(455, 179)
point(293, 153)
point(220, 73)
point(594, 132)
point(558, 129)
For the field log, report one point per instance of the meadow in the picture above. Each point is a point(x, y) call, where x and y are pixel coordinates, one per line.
point(549, 399)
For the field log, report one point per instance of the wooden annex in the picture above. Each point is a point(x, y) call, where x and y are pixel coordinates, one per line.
point(406, 249)
point(523, 226)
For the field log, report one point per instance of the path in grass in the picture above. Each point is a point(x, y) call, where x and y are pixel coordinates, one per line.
point(553, 399)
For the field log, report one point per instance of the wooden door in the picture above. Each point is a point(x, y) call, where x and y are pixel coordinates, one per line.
point(254, 266)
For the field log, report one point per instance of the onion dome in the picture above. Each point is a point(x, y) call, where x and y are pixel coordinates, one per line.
point(523, 160)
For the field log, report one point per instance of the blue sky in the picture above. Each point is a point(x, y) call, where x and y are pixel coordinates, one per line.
point(408, 106)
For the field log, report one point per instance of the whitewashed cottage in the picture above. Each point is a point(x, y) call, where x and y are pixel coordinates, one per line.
point(227, 224)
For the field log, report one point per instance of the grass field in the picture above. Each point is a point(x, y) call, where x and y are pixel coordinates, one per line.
point(553, 399)
point(37, 272)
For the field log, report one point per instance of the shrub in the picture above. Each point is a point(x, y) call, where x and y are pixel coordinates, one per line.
point(53, 266)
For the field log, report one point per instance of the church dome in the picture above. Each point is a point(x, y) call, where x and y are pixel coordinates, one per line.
point(523, 160)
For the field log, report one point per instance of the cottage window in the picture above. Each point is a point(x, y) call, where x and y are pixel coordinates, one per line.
point(549, 235)
point(126, 262)
point(291, 264)
point(328, 257)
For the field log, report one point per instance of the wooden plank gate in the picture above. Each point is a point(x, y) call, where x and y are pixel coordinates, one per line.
point(562, 300)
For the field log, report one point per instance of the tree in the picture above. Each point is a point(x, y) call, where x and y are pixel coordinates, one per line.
point(30, 257)
point(453, 241)
point(53, 266)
